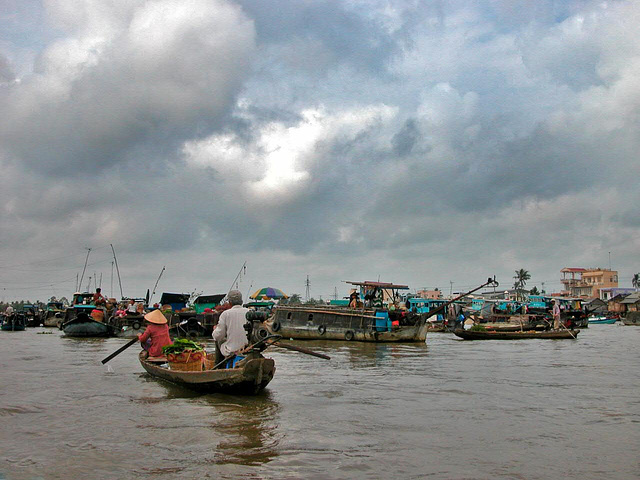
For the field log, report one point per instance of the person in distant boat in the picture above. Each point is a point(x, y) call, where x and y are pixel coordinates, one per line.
point(9, 311)
point(229, 333)
point(132, 308)
point(156, 335)
point(98, 298)
point(353, 299)
point(555, 311)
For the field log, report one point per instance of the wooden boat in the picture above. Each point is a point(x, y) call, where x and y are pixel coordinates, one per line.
point(370, 321)
point(13, 323)
point(499, 335)
point(82, 325)
point(129, 326)
point(53, 314)
point(327, 323)
point(632, 318)
point(250, 375)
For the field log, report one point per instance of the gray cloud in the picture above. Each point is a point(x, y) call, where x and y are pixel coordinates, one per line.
point(419, 142)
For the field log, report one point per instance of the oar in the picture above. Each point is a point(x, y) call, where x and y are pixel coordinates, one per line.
point(120, 350)
point(276, 344)
point(300, 349)
point(574, 337)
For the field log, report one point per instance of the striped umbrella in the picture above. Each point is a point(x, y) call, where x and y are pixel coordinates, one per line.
point(267, 293)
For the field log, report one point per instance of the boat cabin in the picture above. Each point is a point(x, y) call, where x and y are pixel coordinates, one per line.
point(177, 301)
point(426, 305)
point(208, 301)
point(378, 294)
point(82, 298)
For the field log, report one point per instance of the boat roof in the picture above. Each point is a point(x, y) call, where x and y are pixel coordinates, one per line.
point(379, 284)
point(210, 298)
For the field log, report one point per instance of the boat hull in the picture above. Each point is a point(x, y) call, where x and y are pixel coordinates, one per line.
point(604, 321)
point(53, 319)
point(497, 335)
point(250, 378)
point(341, 324)
point(12, 328)
point(87, 328)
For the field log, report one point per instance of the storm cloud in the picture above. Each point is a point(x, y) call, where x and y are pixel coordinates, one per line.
point(415, 142)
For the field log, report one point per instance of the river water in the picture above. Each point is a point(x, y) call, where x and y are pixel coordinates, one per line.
point(528, 409)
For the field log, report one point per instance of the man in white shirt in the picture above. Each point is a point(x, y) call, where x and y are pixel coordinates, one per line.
point(229, 333)
point(9, 310)
point(556, 315)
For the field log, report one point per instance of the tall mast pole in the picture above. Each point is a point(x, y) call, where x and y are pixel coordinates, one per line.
point(117, 269)
point(85, 267)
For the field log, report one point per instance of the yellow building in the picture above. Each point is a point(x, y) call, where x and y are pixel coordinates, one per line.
point(587, 282)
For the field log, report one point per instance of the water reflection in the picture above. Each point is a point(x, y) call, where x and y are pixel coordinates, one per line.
point(243, 430)
point(248, 430)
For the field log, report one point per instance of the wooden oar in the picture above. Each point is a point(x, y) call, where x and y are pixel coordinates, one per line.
point(570, 333)
point(120, 350)
point(275, 344)
point(301, 350)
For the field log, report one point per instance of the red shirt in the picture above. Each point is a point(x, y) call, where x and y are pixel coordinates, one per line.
point(159, 335)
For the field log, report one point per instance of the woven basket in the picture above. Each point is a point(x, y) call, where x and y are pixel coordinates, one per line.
point(186, 367)
point(209, 361)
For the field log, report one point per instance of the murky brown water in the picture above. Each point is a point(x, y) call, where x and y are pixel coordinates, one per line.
point(529, 409)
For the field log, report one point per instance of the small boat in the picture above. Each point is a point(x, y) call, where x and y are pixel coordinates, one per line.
point(53, 314)
point(82, 325)
point(129, 326)
point(248, 377)
point(631, 318)
point(499, 335)
point(13, 323)
point(603, 320)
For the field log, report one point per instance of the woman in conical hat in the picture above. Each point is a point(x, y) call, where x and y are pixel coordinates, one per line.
point(156, 335)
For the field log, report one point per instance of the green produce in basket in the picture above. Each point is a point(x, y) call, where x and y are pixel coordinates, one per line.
point(182, 345)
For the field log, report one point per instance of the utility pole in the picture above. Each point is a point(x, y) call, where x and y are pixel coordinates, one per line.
point(450, 288)
point(335, 293)
point(307, 284)
point(609, 260)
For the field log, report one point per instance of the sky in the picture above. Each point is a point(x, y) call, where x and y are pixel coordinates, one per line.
point(425, 143)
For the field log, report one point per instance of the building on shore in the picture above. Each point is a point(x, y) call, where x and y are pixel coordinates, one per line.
point(587, 282)
point(430, 294)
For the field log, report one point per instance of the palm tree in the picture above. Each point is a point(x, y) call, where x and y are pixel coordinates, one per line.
point(635, 281)
point(521, 277)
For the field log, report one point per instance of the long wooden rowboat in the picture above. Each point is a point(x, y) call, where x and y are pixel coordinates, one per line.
point(497, 335)
point(249, 377)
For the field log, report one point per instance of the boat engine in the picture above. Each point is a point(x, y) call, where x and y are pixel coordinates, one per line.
point(256, 331)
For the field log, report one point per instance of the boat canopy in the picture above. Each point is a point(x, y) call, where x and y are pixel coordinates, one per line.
point(379, 285)
point(215, 299)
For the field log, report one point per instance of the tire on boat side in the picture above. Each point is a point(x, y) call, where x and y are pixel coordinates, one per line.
point(135, 325)
point(322, 329)
point(348, 335)
point(275, 326)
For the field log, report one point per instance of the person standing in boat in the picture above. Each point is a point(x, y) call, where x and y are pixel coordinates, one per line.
point(555, 311)
point(156, 335)
point(229, 333)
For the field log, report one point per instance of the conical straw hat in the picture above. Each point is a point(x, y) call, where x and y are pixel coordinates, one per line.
point(155, 316)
